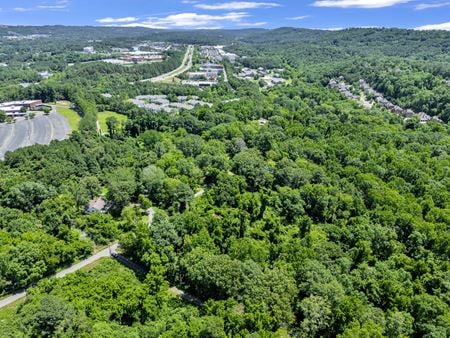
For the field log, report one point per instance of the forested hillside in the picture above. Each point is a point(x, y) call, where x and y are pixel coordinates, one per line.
point(291, 211)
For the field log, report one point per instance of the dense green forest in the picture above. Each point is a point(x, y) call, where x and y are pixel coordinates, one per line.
point(329, 220)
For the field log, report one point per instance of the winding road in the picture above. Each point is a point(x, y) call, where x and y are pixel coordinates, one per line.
point(185, 66)
point(108, 252)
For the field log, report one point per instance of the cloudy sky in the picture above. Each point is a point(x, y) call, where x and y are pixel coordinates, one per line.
point(202, 14)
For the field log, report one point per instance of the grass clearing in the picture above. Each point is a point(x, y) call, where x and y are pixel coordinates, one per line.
point(63, 108)
point(102, 116)
point(171, 80)
point(7, 319)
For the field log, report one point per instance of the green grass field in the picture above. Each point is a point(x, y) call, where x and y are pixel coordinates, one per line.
point(102, 116)
point(71, 115)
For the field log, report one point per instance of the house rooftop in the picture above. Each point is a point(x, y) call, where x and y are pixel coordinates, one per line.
point(97, 205)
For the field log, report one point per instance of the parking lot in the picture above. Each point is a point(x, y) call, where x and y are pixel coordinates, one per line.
point(41, 129)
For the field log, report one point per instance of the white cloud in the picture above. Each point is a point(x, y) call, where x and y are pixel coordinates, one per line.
point(332, 29)
point(140, 24)
point(51, 7)
point(23, 9)
point(190, 20)
point(55, 6)
point(237, 5)
point(358, 3)
point(301, 17)
point(252, 24)
point(117, 20)
point(440, 26)
point(423, 6)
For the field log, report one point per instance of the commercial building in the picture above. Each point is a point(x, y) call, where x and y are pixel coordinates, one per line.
point(199, 83)
point(15, 108)
point(138, 57)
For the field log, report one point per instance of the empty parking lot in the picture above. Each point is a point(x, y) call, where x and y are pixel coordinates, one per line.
point(39, 130)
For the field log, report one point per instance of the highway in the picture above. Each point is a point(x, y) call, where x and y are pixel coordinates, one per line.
point(184, 67)
point(101, 254)
point(41, 129)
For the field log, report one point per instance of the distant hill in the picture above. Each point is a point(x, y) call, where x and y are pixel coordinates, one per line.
point(348, 42)
point(98, 33)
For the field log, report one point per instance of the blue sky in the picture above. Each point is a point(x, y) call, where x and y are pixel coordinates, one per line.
point(199, 14)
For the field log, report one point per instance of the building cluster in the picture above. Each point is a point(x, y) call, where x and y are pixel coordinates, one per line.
point(89, 50)
point(251, 74)
point(19, 108)
point(120, 50)
point(207, 75)
point(152, 53)
point(217, 54)
point(199, 83)
point(273, 80)
point(379, 98)
point(156, 46)
point(26, 37)
point(345, 89)
point(160, 103)
point(406, 113)
point(140, 57)
point(269, 77)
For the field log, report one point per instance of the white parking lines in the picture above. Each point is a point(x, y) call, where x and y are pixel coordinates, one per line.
point(39, 130)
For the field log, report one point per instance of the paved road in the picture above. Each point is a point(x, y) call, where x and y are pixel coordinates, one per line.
point(186, 296)
point(225, 75)
point(185, 66)
point(41, 129)
point(111, 251)
point(101, 254)
point(151, 215)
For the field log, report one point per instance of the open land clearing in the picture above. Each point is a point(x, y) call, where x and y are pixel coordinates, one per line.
point(63, 108)
point(103, 116)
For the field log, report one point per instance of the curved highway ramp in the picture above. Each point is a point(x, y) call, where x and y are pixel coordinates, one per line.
point(41, 129)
